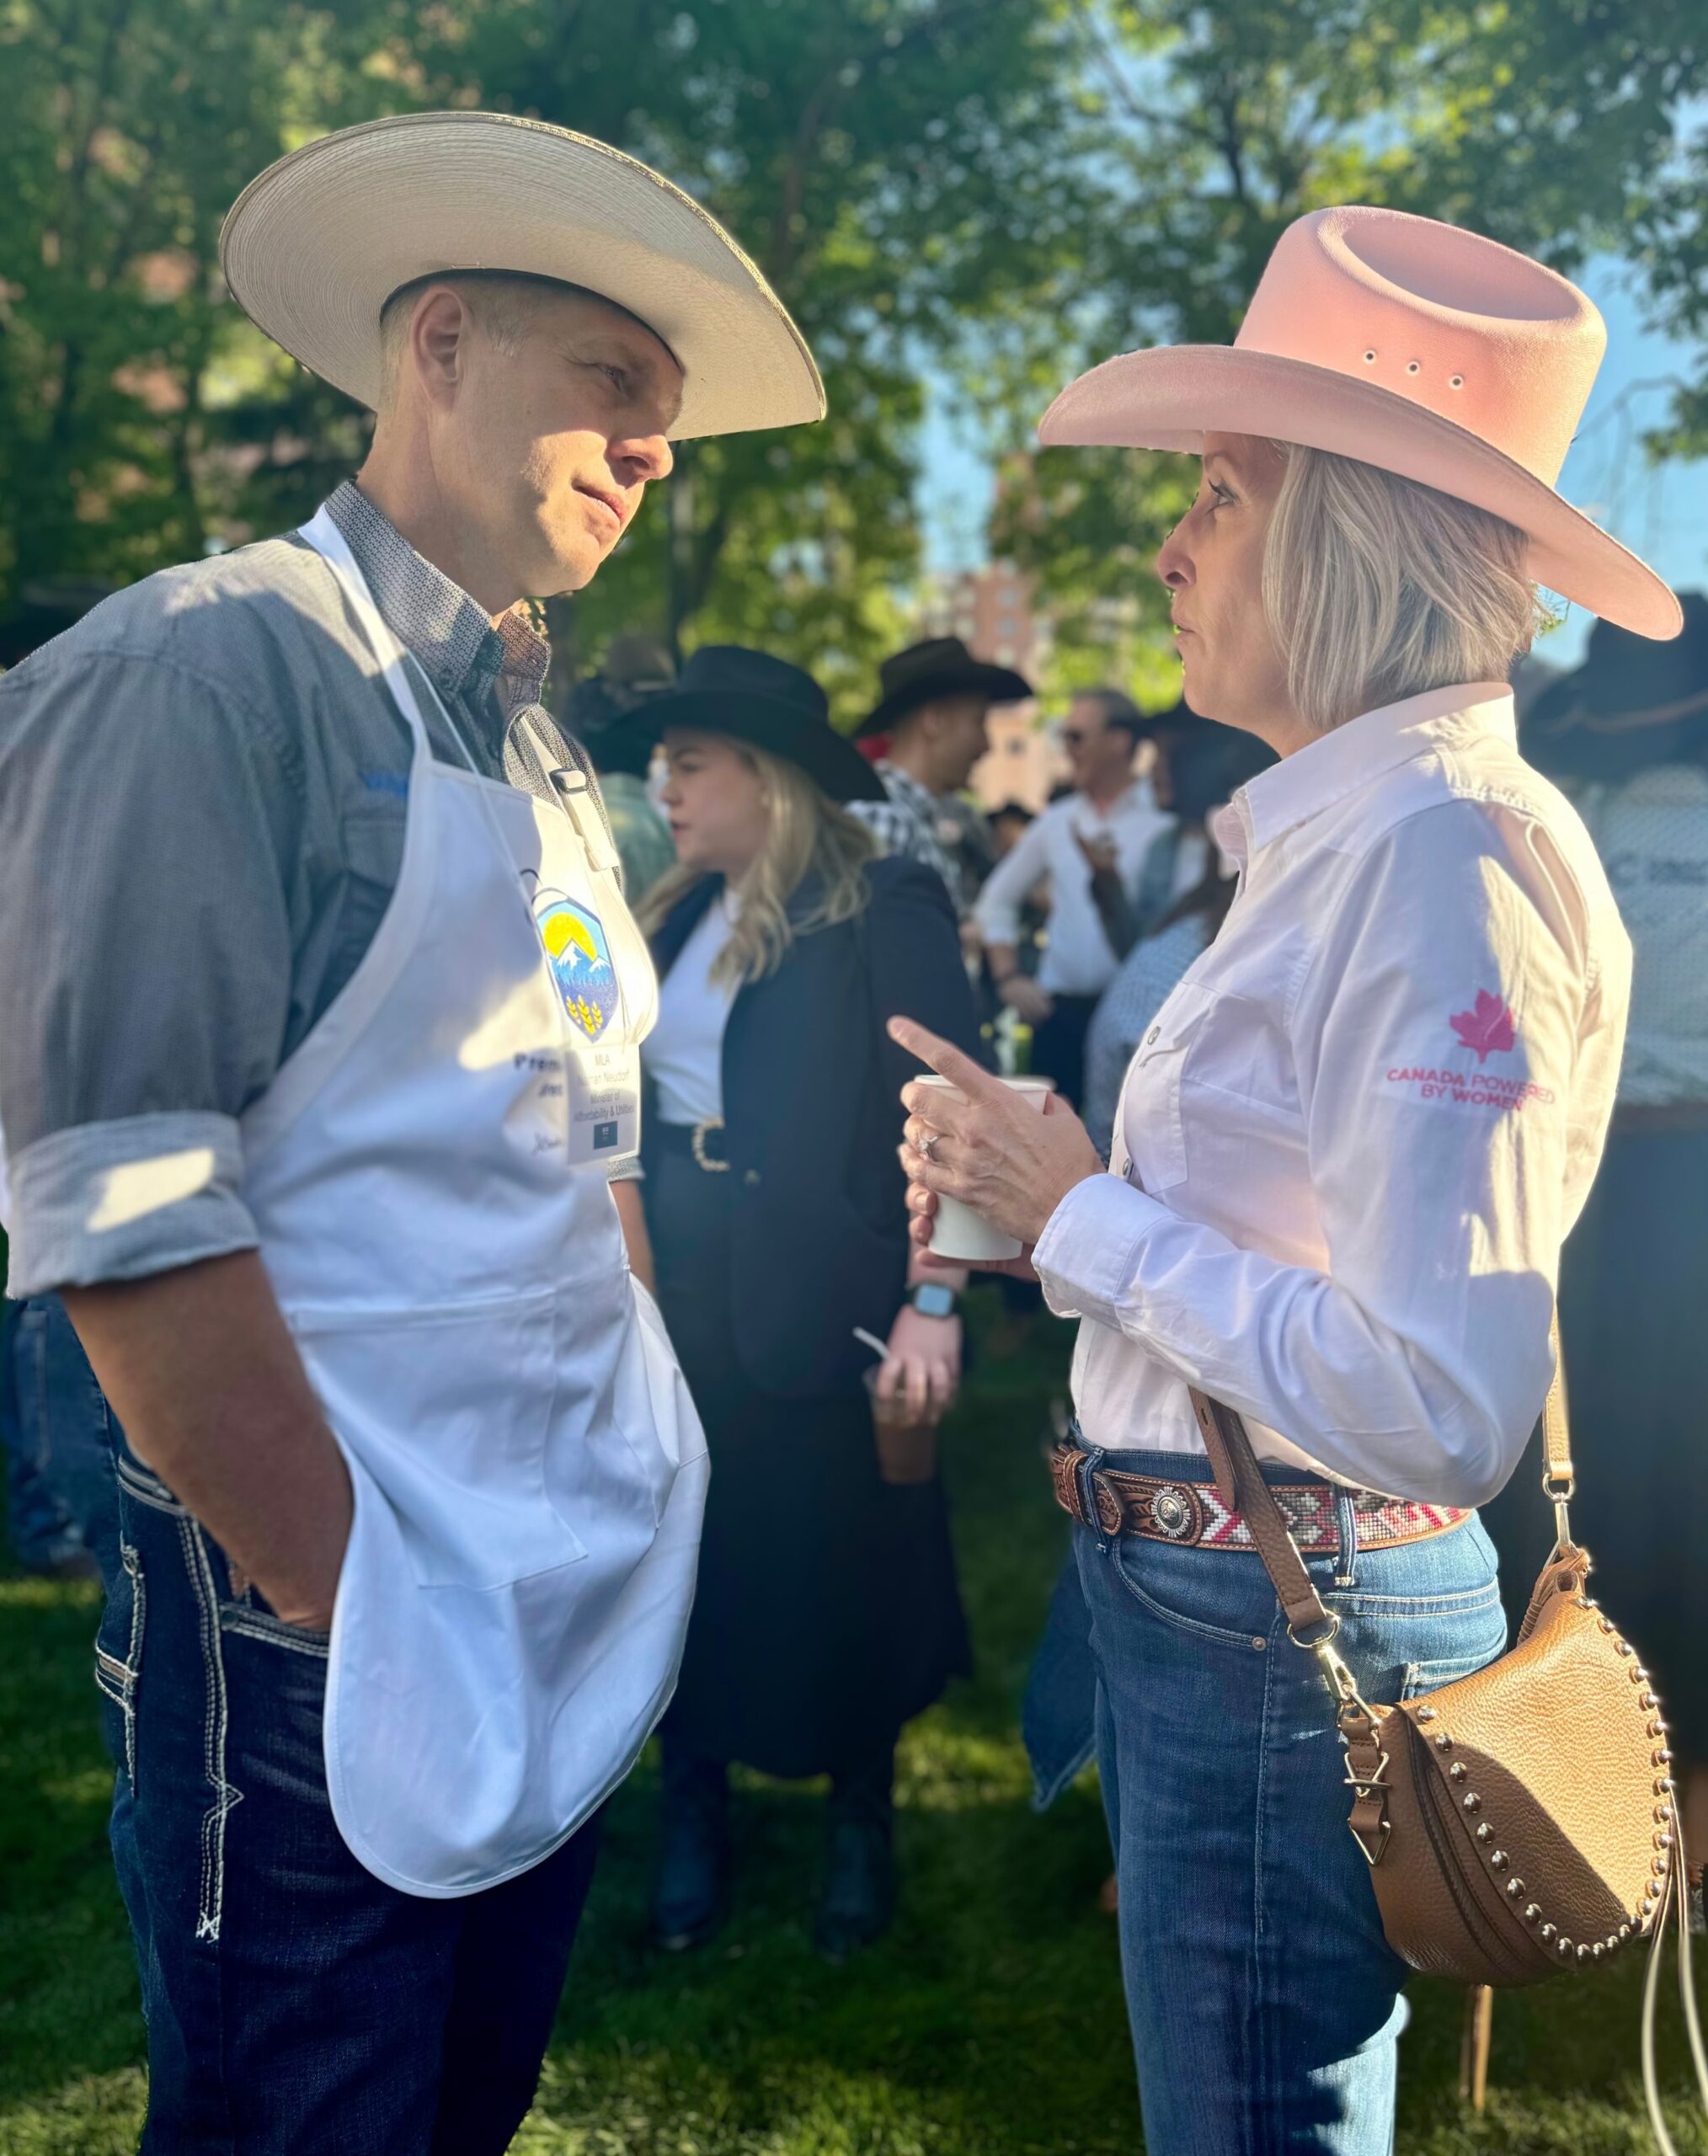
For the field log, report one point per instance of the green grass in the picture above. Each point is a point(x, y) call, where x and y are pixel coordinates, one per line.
point(988, 2024)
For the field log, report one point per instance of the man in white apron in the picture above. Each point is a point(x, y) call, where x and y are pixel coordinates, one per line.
point(319, 1017)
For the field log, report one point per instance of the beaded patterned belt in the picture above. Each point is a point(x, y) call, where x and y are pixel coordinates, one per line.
point(1192, 1515)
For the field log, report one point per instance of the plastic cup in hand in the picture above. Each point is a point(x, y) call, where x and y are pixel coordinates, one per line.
point(957, 1231)
point(906, 1437)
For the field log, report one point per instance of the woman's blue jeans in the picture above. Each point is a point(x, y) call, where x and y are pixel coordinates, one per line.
point(1265, 2003)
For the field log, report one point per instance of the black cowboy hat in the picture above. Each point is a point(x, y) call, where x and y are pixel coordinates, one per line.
point(636, 670)
point(940, 666)
point(725, 688)
point(1632, 702)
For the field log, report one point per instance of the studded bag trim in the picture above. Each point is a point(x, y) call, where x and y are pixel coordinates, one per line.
point(1193, 1515)
point(1522, 1820)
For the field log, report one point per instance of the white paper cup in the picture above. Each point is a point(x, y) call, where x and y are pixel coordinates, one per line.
point(957, 1231)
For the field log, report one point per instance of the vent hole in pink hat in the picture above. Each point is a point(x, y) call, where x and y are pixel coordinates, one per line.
point(1369, 359)
point(1412, 366)
point(1455, 381)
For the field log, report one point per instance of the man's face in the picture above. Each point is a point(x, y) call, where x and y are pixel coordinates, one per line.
point(544, 450)
point(1099, 755)
point(1164, 743)
point(963, 737)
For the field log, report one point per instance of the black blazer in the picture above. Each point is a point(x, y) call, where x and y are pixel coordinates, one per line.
point(812, 1122)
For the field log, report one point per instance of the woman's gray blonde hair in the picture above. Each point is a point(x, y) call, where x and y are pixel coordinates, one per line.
point(1377, 588)
point(808, 834)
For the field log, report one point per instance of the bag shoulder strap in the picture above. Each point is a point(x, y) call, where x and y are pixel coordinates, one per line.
point(1240, 1485)
point(1557, 1429)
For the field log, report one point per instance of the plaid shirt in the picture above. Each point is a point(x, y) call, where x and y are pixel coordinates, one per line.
point(936, 830)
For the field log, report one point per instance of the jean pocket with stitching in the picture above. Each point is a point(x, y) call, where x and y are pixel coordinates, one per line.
point(119, 1647)
point(1189, 1589)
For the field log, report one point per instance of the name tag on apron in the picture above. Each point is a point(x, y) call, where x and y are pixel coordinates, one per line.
point(602, 973)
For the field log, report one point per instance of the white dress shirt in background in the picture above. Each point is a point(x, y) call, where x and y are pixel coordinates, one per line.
point(1651, 833)
point(1353, 1138)
point(1077, 960)
point(684, 1052)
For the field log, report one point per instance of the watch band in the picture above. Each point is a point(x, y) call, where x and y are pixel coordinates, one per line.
point(933, 1298)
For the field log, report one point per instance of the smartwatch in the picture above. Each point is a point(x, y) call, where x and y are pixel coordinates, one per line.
point(932, 1298)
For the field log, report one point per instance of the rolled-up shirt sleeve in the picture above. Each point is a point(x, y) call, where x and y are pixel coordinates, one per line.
point(1418, 1359)
point(150, 828)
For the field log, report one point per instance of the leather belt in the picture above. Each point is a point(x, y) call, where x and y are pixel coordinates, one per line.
point(1191, 1515)
point(703, 1142)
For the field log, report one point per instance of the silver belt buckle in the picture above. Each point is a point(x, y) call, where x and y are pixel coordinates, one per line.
point(697, 1142)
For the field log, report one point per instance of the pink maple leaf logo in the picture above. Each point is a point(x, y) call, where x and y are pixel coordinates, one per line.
point(1488, 1028)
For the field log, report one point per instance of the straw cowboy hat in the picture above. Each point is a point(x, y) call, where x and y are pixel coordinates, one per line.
point(317, 244)
point(1410, 346)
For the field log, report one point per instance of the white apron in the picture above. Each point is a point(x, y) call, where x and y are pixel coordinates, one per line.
point(529, 1471)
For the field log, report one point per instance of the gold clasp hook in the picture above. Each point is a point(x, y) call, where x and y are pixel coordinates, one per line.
point(1559, 1490)
point(1342, 1685)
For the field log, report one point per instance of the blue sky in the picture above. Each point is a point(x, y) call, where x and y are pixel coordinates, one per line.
point(1660, 512)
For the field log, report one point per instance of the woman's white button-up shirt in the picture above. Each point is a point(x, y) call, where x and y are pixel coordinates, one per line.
point(1352, 1141)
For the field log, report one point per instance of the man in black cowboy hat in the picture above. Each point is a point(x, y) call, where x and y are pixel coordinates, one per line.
point(936, 698)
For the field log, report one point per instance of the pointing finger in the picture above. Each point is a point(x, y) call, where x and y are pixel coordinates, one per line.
point(944, 1057)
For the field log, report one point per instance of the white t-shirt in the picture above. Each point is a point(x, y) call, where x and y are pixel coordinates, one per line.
point(683, 1052)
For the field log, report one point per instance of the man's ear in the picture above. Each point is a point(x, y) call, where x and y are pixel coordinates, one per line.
point(439, 340)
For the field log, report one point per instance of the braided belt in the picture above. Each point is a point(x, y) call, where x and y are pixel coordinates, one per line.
point(1192, 1515)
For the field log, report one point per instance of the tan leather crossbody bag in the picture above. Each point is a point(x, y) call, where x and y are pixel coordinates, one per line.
point(1522, 1820)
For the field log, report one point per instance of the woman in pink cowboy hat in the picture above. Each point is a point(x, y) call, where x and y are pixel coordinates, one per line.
point(1351, 1143)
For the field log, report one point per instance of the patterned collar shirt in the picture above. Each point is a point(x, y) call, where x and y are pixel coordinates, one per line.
point(1354, 1137)
point(203, 790)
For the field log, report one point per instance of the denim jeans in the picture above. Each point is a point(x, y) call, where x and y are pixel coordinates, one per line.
point(296, 2005)
point(1058, 1712)
point(1265, 2003)
point(60, 1494)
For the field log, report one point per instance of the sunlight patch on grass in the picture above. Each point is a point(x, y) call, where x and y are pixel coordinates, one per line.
point(96, 2115)
point(26, 1594)
point(90, 1789)
point(943, 1768)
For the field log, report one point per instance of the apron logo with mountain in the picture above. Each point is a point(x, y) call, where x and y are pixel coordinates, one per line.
point(580, 961)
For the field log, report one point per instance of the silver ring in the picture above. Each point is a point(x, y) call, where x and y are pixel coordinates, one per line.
point(928, 1145)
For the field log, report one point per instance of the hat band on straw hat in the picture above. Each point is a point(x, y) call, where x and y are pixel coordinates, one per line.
point(316, 245)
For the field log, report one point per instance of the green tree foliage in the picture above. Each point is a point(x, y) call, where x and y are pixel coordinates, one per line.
point(1672, 250)
point(1542, 123)
point(869, 153)
point(997, 191)
point(129, 127)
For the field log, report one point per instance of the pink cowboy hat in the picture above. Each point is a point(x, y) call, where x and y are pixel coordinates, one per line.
point(1410, 346)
